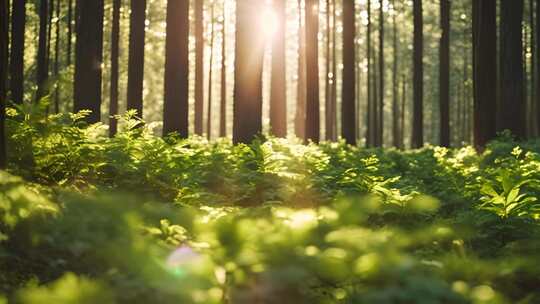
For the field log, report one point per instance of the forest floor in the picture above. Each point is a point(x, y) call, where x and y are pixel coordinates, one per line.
point(142, 219)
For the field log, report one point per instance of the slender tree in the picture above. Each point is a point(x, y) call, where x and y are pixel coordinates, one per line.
point(380, 121)
point(444, 74)
point(312, 70)
point(4, 37)
point(511, 60)
point(537, 63)
point(16, 65)
point(176, 108)
point(136, 56)
point(418, 82)
point(88, 59)
point(328, 77)
point(403, 107)
point(199, 66)
point(395, 84)
point(370, 133)
point(249, 53)
point(115, 53)
point(223, 89)
point(69, 31)
point(484, 70)
point(210, 70)
point(348, 108)
point(42, 66)
point(56, 70)
point(278, 87)
point(333, 92)
point(532, 63)
point(300, 116)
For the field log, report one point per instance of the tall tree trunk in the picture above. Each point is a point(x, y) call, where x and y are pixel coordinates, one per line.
point(328, 77)
point(403, 107)
point(484, 71)
point(532, 109)
point(300, 116)
point(418, 83)
point(380, 127)
point(348, 108)
point(278, 86)
point(333, 94)
point(444, 76)
point(16, 65)
point(395, 84)
point(199, 66)
point(370, 133)
point(223, 99)
point(115, 53)
point(57, 59)
point(4, 9)
point(42, 67)
point(312, 71)
point(88, 59)
point(537, 82)
point(176, 108)
point(249, 53)
point(69, 31)
point(210, 68)
point(511, 50)
point(136, 56)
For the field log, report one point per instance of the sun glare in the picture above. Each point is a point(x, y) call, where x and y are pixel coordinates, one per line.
point(268, 22)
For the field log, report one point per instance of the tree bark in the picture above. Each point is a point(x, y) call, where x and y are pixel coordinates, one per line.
point(300, 116)
point(136, 56)
point(485, 71)
point(199, 66)
point(249, 55)
point(328, 77)
point(370, 133)
point(42, 73)
point(418, 83)
point(395, 84)
point(4, 9)
point(380, 127)
point(312, 71)
point(348, 107)
point(223, 99)
point(88, 59)
point(210, 66)
point(512, 91)
point(57, 59)
point(278, 86)
point(537, 82)
point(444, 76)
point(69, 31)
point(115, 53)
point(16, 65)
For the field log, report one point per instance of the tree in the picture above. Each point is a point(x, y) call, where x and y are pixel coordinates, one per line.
point(348, 107)
point(57, 58)
point(312, 70)
point(249, 54)
point(395, 85)
point(4, 9)
point(88, 59)
point(537, 83)
point(370, 133)
point(484, 70)
point(511, 60)
point(136, 56)
point(444, 74)
point(69, 31)
point(176, 107)
point(223, 99)
point(328, 77)
point(16, 62)
point(42, 73)
point(418, 82)
point(210, 70)
point(115, 41)
point(278, 91)
point(199, 66)
point(380, 126)
point(300, 116)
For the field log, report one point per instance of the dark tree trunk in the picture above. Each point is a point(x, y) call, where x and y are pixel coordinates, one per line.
point(511, 50)
point(223, 99)
point(537, 64)
point(370, 133)
point(531, 111)
point(176, 108)
point(395, 84)
point(88, 59)
point(16, 65)
point(329, 76)
point(380, 121)
point(484, 71)
point(4, 9)
point(278, 86)
point(348, 108)
point(300, 116)
point(403, 107)
point(333, 92)
point(210, 69)
point(312, 71)
point(42, 66)
point(249, 53)
point(136, 56)
point(444, 76)
point(418, 82)
point(69, 31)
point(57, 59)
point(199, 66)
point(115, 53)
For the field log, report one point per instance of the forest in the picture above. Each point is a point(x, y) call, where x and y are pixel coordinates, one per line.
point(270, 151)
